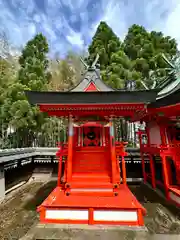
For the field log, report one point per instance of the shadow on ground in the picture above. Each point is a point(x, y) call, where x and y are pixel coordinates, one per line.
point(40, 196)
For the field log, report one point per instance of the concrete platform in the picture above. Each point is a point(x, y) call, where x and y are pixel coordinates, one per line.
point(81, 232)
point(95, 232)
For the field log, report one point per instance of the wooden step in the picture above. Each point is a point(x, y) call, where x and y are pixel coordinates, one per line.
point(91, 192)
point(86, 177)
point(94, 185)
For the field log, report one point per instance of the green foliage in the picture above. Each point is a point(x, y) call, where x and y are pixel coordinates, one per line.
point(105, 43)
point(34, 64)
point(135, 58)
point(146, 48)
point(32, 75)
point(120, 70)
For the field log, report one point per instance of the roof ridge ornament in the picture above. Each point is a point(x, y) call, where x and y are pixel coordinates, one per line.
point(93, 65)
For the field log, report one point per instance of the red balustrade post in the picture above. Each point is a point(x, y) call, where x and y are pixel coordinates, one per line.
point(113, 151)
point(59, 155)
point(123, 154)
point(142, 156)
point(163, 134)
point(165, 173)
point(153, 177)
point(70, 149)
point(103, 137)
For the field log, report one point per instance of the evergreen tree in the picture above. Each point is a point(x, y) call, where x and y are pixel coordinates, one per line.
point(138, 58)
point(120, 70)
point(116, 67)
point(33, 75)
point(105, 43)
point(34, 64)
point(146, 48)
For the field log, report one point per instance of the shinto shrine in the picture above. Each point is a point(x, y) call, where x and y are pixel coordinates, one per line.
point(92, 187)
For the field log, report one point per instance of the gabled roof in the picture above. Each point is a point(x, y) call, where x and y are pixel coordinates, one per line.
point(171, 83)
point(92, 76)
point(169, 89)
point(168, 100)
point(96, 97)
point(92, 79)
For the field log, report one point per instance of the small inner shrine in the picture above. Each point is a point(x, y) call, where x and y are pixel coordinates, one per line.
point(92, 187)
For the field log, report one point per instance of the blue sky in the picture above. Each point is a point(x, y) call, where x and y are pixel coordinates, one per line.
point(70, 24)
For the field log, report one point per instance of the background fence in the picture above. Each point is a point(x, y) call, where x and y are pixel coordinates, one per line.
point(54, 130)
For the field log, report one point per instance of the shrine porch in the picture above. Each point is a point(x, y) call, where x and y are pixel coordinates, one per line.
point(123, 209)
point(168, 155)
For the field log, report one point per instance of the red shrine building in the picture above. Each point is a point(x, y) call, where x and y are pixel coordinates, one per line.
point(92, 187)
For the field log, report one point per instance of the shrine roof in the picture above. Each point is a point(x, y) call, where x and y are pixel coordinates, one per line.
point(108, 97)
point(91, 76)
point(171, 99)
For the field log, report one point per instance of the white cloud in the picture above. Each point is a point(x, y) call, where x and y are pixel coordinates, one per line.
point(23, 21)
point(37, 18)
point(172, 24)
point(75, 39)
point(114, 15)
point(32, 29)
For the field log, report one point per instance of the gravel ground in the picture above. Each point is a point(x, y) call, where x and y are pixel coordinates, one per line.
point(161, 218)
point(18, 211)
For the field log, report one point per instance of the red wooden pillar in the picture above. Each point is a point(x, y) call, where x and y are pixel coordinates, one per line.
point(80, 136)
point(70, 149)
point(59, 155)
point(123, 169)
point(165, 174)
point(65, 134)
point(153, 176)
point(162, 128)
point(103, 137)
point(142, 157)
point(163, 156)
point(113, 151)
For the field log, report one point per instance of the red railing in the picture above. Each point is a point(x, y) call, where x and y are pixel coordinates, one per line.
point(120, 152)
point(61, 153)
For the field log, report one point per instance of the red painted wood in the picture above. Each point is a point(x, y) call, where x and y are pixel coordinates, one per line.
point(140, 218)
point(91, 216)
point(92, 175)
point(117, 109)
point(153, 179)
point(142, 155)
point(165, 174)
point(91, 88)
point(128, 201)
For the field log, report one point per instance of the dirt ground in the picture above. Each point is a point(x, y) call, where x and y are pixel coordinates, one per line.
point(18, 212)
point(162, 217)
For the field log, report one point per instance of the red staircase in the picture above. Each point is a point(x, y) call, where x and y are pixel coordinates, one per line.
point(91, 173)
point(90, 197)
point(92, 160)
